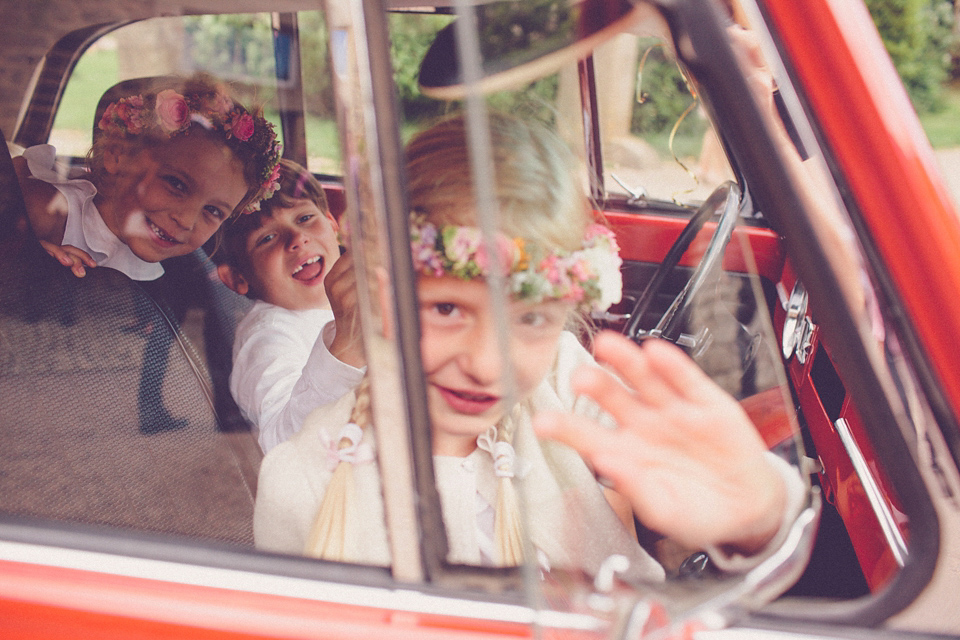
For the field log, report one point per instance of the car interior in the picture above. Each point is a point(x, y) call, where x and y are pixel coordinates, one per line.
point(117, 413)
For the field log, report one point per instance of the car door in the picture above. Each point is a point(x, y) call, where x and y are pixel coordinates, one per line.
point(116, 579)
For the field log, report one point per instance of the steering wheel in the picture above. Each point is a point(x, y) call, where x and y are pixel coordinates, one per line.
point(725, 201)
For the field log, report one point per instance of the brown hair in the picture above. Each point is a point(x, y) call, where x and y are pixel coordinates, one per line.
point(257, 153)
point(296, 183)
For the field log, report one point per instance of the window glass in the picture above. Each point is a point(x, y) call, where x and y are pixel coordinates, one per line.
point(495, 357)
point(655, 136)
point(240, 49)
point(320, 122)
point(117, 400)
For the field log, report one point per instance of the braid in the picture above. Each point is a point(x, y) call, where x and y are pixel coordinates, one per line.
point(328, 536)
point(508, 525)
point(362, 413)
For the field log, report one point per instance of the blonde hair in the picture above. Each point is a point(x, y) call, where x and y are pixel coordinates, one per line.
point(540, 199)
point(328, 535)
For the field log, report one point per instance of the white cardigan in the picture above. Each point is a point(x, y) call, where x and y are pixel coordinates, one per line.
point(568, 519)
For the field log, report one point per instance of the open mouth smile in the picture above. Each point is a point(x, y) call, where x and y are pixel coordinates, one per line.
point(162, 235)
point(310, 270)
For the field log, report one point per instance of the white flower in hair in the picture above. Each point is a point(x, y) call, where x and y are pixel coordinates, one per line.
point(610, 280)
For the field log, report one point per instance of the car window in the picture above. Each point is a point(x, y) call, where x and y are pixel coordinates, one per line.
point(241, 49)
point(152, 443)
point(727, 331)
point(130, 407)
point(655, 134)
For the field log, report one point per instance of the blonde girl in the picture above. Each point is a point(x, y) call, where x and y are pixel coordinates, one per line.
point(319, 494)
point(166, 169)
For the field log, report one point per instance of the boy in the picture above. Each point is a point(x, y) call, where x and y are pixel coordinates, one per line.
point(298, 347)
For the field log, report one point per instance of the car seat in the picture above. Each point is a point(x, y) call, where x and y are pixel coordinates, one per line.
point(113, 403)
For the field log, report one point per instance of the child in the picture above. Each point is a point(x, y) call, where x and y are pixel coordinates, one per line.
point(558, 262)
point(166, 169)
point(285, 256)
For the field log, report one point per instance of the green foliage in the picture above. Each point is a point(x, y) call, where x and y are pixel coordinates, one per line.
point(240, 48)
point(232, 46)
point(95, 72)
point(917, 35)
point(536, 101)
point(236, 48)
point(315, 64)
point(410, 37)
point(664, 98)
point(941, 125)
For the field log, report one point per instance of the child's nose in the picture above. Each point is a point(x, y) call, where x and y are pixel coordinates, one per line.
point(296, 239)
point(481, 356)
point(186, 218)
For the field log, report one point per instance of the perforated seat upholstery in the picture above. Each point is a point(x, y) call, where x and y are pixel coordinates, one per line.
point(113, 403)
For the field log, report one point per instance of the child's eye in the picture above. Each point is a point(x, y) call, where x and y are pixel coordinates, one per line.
point(176, 183)
point(441, 313)
point(216, 213)
point(264, 239)
point(445, 308)
point(533, 319)
point(305, 218)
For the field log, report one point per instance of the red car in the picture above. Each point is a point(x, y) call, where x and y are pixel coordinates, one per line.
point(799, 244)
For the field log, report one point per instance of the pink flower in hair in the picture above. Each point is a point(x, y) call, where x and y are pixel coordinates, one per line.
point(580, 270)
point(123, 116)
point(550, 268)
point(463, 247)
point(577, 294)
point(172, 111)
point(272, 183)
point(241, 127)
point(598, 235)
point(423, 244)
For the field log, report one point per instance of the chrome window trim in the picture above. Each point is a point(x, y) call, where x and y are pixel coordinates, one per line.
point(881, 510)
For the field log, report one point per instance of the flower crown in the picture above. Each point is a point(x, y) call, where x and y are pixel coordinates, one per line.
point(173, 113)
point(589, 276)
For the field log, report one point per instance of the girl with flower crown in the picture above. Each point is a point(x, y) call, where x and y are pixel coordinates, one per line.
point(319, 493)
point(166, 169)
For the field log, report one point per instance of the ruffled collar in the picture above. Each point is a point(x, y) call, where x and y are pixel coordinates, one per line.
point(85, 228)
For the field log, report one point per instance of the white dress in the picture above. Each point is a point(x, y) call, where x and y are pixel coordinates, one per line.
point(85, 228)
point(568, 520)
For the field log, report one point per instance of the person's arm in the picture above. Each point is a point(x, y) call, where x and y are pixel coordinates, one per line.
point(279, 377)
point(47, 214)
point(684, 453)
point(323, 379)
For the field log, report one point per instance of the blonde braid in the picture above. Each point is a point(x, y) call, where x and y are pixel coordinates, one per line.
point(328, 535)
point(508, 524)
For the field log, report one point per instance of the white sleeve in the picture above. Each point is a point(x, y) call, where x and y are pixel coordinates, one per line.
point(797, 492)
point(276, 384)
point(323, 380)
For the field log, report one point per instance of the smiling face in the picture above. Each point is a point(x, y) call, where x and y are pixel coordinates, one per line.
point(290, 253)
point(168, 200)
point(462, 362)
